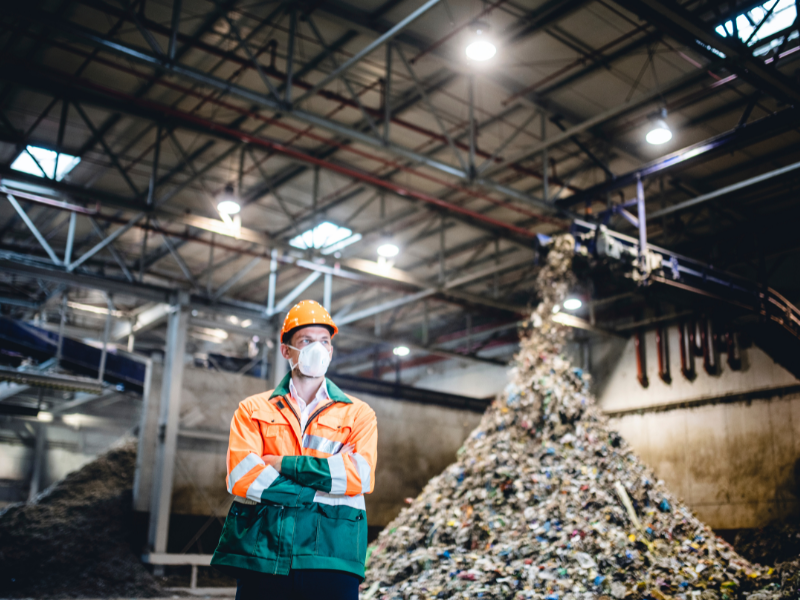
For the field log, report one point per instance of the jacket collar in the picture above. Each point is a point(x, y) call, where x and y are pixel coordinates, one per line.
point(334, 393)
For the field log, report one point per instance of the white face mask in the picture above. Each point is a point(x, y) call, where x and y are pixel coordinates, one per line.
point(313, 360)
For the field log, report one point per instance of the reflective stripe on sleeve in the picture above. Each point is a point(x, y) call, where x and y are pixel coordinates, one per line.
point(331, 500)
point(262, 482)
point(243, 468)
point(338, 474)
point(322, 444)
point(364, 471)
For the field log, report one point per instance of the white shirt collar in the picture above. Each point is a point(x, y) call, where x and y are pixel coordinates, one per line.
point(322, 394)
point(307, 408)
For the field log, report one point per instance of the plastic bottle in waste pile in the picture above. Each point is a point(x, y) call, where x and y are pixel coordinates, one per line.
point(545, 501)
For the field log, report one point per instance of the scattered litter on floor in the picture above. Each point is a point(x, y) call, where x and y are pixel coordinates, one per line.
point(545, 501)
point(75, 539)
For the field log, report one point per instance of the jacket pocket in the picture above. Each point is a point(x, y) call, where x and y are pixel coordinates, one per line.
point(339, 532)
point(277, 438)
point(271, 522)
point(333, 423)
point(305, 533)
point(241, 531)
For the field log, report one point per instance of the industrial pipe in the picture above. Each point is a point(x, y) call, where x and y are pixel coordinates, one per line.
point(662, 346)
point(694, 344)
point(734, 358)
point(705, 343)
point(687, 372)
point(641, 364)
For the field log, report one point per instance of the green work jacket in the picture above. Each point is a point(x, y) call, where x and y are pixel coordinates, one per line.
point(312, 514)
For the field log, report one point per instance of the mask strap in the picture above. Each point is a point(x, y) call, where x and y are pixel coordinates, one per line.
point(291, 366)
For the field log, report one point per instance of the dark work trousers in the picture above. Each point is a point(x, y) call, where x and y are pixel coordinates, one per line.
point(299, 584)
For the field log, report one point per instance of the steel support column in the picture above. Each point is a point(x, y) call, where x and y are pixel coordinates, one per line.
point(273, 281)
point(168, 423)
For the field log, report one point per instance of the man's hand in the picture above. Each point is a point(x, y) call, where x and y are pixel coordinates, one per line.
point(273, 461)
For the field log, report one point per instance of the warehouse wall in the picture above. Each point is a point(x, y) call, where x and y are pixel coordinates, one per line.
point(732, 457)
point(472, 380)
point(415, 442)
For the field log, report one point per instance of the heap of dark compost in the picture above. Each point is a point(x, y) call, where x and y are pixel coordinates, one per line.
point(77, 538)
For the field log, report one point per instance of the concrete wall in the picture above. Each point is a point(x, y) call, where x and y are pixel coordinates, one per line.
point(732, 458)
point(473, 380)
point(208, 401)
point(415, 442)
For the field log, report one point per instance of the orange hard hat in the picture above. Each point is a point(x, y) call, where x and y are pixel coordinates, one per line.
point(305, 313)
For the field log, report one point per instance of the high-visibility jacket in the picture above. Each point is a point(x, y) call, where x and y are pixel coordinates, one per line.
point(311, 515)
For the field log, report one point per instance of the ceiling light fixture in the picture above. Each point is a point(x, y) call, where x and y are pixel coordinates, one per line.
point(480, 46)
point(388, 250)
point(401, 351)
point(228, 204)
point(572, 303)
point(659, 133)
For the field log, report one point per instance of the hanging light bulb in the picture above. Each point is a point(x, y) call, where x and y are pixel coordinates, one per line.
point(228, 202)
point(228, 208)
point(388, 250)
point(659, 133)
point(480, 46)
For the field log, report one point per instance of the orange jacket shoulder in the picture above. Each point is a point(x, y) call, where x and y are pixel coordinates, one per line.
point(255, 402)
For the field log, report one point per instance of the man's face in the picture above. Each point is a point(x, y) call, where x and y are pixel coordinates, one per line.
point(303, 338)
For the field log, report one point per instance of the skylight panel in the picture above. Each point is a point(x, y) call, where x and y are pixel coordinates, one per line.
point(776, 15)
point(326, 237)
point(41, 162)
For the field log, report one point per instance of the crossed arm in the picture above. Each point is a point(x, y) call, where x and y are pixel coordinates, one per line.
point(349, 472)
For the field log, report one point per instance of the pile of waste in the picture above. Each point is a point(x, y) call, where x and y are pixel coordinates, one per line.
point(75, 539)
point(545, 501)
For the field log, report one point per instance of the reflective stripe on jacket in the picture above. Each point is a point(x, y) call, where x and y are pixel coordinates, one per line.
point(311, 515)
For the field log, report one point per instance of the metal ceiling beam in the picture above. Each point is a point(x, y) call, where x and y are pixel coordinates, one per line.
point(756, 131)
point(250, 96)
point(607, 115)
point(221, 290)
point(377, 43)
point(33, 229)
point(723, 191)
point(357, 269)
point(146, 109)
point(151, 316)
point(354, 333)
point(690, 30)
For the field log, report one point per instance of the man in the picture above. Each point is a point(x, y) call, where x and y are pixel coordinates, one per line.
point(300, 459)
